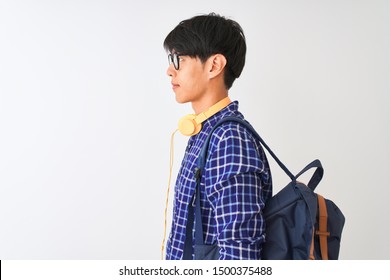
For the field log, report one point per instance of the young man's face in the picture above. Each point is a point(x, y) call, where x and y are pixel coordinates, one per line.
point(190, 81)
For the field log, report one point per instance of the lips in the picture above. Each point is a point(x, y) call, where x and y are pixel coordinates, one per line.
point(174, 85)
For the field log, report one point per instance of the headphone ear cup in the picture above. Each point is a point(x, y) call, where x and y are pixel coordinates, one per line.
point(188, 125)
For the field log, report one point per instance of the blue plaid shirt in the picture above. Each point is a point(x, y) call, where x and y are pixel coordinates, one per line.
point(234, 188)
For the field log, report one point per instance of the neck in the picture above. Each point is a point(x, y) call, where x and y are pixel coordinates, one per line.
point(207, 101)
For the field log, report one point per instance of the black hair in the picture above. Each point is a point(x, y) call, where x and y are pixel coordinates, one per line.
point(205, 35)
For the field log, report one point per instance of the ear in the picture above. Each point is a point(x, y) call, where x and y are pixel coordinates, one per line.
point(217, 65)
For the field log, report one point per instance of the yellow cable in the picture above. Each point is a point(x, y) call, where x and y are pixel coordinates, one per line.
point(171, 154)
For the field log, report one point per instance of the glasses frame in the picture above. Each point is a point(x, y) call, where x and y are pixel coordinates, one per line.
point(174, 58)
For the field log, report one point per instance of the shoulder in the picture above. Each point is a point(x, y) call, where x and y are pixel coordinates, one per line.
point(232, 133)
point(233, 149)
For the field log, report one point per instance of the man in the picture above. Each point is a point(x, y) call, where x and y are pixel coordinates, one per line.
point(206, 54)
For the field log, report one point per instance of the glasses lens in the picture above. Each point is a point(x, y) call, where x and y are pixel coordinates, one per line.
point(170, 60)
point(176, 61)
point(174, 58)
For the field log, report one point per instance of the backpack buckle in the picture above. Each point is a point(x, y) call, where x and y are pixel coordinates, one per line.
point(197, 174)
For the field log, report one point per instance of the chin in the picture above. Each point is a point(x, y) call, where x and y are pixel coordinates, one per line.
point(181, 100)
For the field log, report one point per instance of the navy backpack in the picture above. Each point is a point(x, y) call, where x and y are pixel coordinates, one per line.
point(300, 224)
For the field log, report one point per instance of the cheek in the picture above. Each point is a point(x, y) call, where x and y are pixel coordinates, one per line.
point(196, 79)
point(193, 87)
point(192, 80)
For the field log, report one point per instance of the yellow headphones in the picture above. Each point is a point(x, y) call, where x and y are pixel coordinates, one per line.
point(192, 124)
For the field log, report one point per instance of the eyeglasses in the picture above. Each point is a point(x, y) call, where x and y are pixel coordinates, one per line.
point(174, 58)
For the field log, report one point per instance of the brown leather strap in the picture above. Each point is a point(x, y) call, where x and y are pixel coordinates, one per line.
point(311, 257)
point(323, 224)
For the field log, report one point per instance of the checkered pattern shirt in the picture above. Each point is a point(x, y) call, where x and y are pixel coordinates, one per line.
point(235, 185)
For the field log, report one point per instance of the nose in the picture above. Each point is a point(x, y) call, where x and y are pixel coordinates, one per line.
point(171, 71)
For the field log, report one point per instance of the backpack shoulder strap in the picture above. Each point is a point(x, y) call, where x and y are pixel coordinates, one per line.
point(198, 173)
point(203, 153)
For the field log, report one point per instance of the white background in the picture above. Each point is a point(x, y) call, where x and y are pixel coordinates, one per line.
point(86, 113)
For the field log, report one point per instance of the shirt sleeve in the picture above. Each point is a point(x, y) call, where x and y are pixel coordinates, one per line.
point(234, 189)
